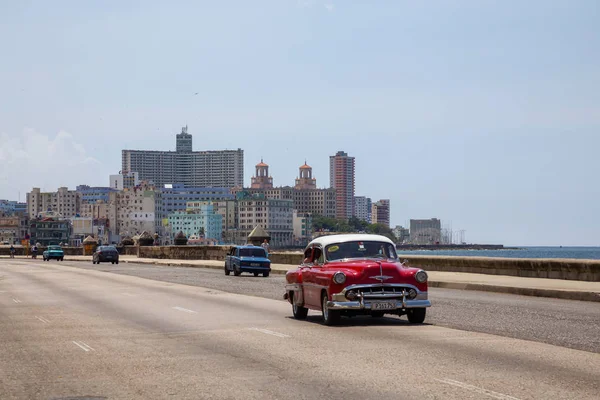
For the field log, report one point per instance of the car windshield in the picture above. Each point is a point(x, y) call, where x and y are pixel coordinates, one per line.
point(252, 253)
point(360, 249)
point(54, 248)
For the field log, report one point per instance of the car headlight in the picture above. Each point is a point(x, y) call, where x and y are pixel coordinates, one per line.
point(421, 276)
point(339, 278)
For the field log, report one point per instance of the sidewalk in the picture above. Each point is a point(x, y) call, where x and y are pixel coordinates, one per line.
point(554, 288)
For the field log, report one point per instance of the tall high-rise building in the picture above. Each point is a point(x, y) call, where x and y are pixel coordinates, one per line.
point(341, 177)
point(222, 168)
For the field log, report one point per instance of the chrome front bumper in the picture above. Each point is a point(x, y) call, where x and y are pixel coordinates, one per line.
point(366, 300)
point(367, 304)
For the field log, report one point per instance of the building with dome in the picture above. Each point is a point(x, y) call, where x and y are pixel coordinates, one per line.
point(306, 196)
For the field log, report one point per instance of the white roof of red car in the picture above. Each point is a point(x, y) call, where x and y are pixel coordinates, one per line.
point(326, 240)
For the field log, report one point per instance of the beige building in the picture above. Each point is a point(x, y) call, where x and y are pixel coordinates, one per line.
point(98, 210)
point(10, 229)
point(65, 202)
point(135, 210)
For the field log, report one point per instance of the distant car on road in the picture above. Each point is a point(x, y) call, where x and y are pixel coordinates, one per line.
point(53, 252)
point(358, 274)
point(105, 254)
point(252, 259)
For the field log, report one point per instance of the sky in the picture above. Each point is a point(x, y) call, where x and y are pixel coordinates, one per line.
point(485, 114)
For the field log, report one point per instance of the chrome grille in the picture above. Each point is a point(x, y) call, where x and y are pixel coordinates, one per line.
point(382, 292)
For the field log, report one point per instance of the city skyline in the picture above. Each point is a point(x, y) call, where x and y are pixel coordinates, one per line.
point(484, 114)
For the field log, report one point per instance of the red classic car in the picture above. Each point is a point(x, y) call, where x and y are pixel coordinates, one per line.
point(348, 275)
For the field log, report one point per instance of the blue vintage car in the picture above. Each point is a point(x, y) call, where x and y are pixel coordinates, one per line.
point(252, 259)
point(55, 252)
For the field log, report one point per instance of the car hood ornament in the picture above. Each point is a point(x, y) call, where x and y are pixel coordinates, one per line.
point(381, 277)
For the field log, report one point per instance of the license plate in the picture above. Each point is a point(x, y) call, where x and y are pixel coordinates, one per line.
point(383, 305)
point(254, 264)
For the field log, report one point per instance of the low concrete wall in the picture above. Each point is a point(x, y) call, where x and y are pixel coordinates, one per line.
point(581, 270)
point(184, 252)
point(286, 258)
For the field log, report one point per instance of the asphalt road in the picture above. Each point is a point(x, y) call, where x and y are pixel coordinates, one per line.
point(573, 324)
point(79, 333)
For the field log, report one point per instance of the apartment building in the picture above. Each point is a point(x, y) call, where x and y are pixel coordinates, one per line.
point(222, 168)
point(64, 202)
point(275, 216)
point(425, 231)
point(135, 211)
point(362, 208)
point(380, 212)
point(197, 221)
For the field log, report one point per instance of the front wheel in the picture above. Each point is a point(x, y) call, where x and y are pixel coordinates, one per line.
point(330, 317)
point(237, 271)
point(227, 271)
point(416, 315)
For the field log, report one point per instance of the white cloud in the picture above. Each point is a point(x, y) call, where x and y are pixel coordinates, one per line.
point(329, 7)
point(31, 159)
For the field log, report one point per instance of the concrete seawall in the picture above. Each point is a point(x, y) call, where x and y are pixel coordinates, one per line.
point(570, 269)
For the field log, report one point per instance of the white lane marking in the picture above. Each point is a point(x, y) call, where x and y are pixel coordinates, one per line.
point(83, 346)
point(268, 332)
point(489, 393)
point(185, 310)
point(44, 320)
point(17, 301)
point(128, 294)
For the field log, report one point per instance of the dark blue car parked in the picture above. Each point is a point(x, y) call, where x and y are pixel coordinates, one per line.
point(252, 259)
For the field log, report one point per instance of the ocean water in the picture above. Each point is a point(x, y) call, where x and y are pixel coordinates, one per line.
point(584, 253)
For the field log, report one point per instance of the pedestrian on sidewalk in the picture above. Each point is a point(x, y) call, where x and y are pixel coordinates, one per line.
point(265, 245)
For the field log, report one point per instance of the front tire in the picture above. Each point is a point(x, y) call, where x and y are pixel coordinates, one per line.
point(237, 271)
point(416, 315)
point(227, 271)
point(330, 317)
